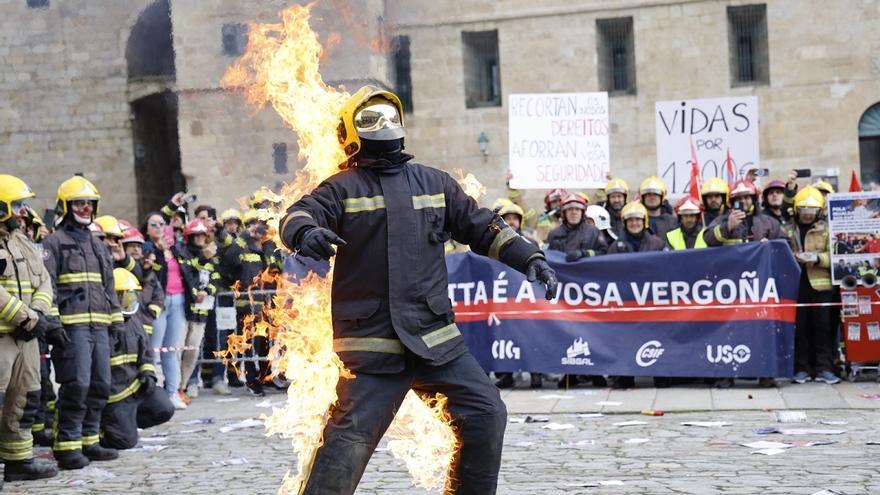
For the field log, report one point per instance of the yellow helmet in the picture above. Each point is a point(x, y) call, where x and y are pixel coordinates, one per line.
point(616, 186)
point(36, 219)
point(809, 197)
point(124, 280)
point(511, 208)
point(262, 196)
point(76, 188)
point(653, 184)
point(716, 185)
point(252, 215)
point(500, 203)
point(370, 113)
point(634, 209)
point(12, 189)
point(824, 186)
point(230, 214)
point(110, 226)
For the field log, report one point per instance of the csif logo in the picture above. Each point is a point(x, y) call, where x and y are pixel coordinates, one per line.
point(504, 349)
point(727, 354)
point(649, 353)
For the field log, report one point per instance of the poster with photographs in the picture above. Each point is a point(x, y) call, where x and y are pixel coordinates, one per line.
point(854, 225)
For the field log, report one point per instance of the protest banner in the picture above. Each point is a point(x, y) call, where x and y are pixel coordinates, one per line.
point(558, 140)
point(854, 229)
point(715, 128)
point(676, 313)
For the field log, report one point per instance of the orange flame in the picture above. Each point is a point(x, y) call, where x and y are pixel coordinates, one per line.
point(280, 68)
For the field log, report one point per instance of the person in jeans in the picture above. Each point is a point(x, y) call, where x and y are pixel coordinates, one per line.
point(169, 326)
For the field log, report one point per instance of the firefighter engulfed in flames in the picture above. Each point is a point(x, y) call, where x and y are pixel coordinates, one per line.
point(393, 323)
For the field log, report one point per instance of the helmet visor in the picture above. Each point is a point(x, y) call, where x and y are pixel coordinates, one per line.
point(128, 302)
point(379, 121)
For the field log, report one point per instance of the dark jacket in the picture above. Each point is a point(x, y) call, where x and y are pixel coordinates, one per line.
point(130, 357)
point(152, 299)
point(646, 242)
point(389, 280)
point(662, 224)
point(755, 227)
point(244, 261)
point(709, 216)
point(582, 240)
point(82, 274)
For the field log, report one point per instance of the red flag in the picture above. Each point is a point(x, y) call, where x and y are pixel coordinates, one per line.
point(731, 177)
point(854, 185)
point(695, 173)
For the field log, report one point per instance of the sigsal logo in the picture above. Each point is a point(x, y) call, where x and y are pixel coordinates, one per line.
point(727, 354)
point(649, 353)
point(577, 354)
point(504, 349)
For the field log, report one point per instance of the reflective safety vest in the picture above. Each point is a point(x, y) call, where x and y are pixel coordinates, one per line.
point(676, 240)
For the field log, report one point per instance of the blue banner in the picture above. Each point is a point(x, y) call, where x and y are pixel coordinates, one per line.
point(716, 312)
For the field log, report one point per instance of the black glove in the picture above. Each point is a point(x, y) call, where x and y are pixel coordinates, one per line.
point(39, 330)
point(56, 335)
point(574, 255)
point(317, 243)
point(148, 384)
point(539, 270)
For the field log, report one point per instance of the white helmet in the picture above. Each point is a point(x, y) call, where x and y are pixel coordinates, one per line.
point(601, 219)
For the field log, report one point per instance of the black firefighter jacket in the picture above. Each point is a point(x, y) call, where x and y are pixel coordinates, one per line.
point(130, 357)
point(390, 280)
point(584, 238)
point(244, 261)
point(755, 227)
point(82, 272)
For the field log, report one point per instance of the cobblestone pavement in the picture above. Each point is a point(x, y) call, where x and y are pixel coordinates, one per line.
point(594, 454)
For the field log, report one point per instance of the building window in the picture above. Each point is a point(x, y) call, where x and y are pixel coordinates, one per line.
point(402, 75)
point(749, 51)
point(617, 58)
point(482, 72)
point(234, 39)
point(38, 4)
point(279, 156)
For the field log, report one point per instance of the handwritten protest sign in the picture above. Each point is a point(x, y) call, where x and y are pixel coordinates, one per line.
point(715, 126)
point(558, 140)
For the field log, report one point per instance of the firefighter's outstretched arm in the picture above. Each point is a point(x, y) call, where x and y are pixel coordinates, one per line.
point(309, 224)
point(487, 234)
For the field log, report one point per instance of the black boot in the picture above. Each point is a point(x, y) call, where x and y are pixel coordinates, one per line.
point(43, 438)
point(233, 379)
point(71, 459)
point(537, 380)
point(505, 380)
point(98, 453)
point(28, 470)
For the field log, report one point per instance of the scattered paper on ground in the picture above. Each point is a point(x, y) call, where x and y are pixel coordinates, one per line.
point(706, 424)
point(228, 399)
point(248, 423)
point(200, 421)
point(769, 451)
point(558, 426)
point(555, 396)
point(590, 415)
point(637, 440)
point(766, 445)
point(231, 462)
point(631, 423)
point(791, 417)
point(830, 422)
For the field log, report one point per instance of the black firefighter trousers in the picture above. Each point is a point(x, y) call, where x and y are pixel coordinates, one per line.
point(120, 420)
point(82, 368)
point(815, 335)
point(367, 405)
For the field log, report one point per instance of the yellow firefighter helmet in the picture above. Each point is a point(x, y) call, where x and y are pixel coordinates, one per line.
point(634, 209)
point(616, 185)
point(809, 197)
point(230, 214)
point(716, 185)
point(12, 189)
point(127, 287)
point(76, 188)
point(511, 208)
point(653, 185)
point(370, 113)
point(110, 226)
point(824, 186)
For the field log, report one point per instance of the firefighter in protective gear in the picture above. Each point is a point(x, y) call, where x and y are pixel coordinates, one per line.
point(200, 280)
point(392, 317)
point(690, 234)
point(152, 296)
point(552, 216)
point(744, 222)
point(824, 187)
point(815, 334)
point(616, 194)
point(113, 234)
point(773, 201)
point(715, 193)
point(575, 237)
point(25, 299)
point(135, 401)
point(653, 195)
point(82, 274)
point(253, 262)
point(601, 219)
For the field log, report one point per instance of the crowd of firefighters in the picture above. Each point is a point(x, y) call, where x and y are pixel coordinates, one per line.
point(96, 297)
point(625, 221)
point(103, 302)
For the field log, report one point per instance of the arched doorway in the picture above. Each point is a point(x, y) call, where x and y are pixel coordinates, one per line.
point(151, 73)
point(869, 144)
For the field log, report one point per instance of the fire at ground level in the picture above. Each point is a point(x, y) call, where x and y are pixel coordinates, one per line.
point(659, 457)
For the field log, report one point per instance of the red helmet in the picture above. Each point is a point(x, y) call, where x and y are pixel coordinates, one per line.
point(776, 184)
point(574, 201)
point(744, 188)
point(554, 195)
point(132, 234)
point(194, 227)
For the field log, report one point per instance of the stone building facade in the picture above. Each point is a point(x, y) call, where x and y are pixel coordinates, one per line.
point(128, 91)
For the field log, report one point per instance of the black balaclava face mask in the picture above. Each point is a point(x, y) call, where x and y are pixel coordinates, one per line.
point(392, 150)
